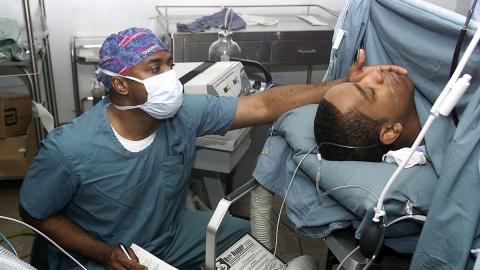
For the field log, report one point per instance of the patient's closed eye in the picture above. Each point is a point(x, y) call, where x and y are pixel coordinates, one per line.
point(370, 95)
point(373, 93)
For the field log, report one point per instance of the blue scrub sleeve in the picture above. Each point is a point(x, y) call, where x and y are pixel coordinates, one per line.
point(212, 114)
point(49, 184)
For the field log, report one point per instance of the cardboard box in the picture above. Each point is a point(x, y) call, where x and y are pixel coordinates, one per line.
point(17, 153)
point(15, 114)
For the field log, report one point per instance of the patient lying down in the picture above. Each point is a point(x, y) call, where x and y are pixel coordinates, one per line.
point(375, 115)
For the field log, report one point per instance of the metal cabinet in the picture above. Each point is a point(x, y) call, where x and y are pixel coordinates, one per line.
point(292, 41)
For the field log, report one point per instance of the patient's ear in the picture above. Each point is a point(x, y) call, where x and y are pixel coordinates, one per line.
point(389, 133)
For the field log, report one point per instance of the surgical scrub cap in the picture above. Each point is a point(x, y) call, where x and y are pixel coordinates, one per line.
point(122, 51)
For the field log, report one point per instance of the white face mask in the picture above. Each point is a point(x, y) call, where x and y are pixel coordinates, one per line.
point(165, 94)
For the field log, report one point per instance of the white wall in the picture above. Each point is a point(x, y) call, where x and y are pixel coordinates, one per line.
point(91, 17)
point(448, 4)
point(459, 6)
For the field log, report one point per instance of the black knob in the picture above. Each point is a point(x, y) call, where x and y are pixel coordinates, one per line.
point(257, 85)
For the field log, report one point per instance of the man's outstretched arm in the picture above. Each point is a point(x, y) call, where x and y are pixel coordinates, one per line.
point(266, 107)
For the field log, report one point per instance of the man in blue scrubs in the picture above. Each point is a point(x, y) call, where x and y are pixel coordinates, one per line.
point(118, 173)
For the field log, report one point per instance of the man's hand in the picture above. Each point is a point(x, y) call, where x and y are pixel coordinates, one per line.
point(357, 71)
point(117, 260)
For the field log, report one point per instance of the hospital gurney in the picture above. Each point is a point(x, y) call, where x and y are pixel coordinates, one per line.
point(422, 38)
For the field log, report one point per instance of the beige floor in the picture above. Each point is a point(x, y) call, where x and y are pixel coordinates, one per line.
point(291, 244)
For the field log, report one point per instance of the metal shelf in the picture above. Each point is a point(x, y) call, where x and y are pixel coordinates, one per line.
point(31, 67)
point(40, 52)
point(15, 64)
point(38, 64)
point(40, 57)
point(87, 53)
point(84, 51)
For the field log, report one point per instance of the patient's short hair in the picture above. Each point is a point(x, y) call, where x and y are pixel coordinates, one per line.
point(352, 129)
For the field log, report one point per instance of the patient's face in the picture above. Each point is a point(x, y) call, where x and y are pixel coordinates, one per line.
point(379, 95)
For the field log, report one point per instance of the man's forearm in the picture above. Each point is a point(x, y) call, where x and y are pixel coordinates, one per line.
point(268, 106)
point(69, 236)
point(281, 99)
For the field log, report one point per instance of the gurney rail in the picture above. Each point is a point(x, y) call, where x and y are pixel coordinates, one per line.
point(217, 218)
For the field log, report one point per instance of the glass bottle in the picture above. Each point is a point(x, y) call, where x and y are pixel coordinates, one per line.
point(224, 47)
point(98, 91)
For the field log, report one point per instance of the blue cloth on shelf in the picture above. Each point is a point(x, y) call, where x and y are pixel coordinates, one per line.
point(10, 49)
point(215, 20)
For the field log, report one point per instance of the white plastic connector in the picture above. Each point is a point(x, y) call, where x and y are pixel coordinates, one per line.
point(378, 213)
point(454, 95)
point(338, 39)
point(475, 252)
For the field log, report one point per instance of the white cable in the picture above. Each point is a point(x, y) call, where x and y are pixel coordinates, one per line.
point(379, 210)
point(414, 217)
point(350, 186)
point(46, 237)
point(368, 264)
point(285, 198)
point(9, 244)
point(346, 257)
point(324, 193)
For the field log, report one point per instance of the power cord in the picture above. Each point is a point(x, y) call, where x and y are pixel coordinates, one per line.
point(282, 221)
point(349, 255)
point(285, 198)
point(347, 187)
point(9, 244)
point(7, 241)
point(346, 257)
